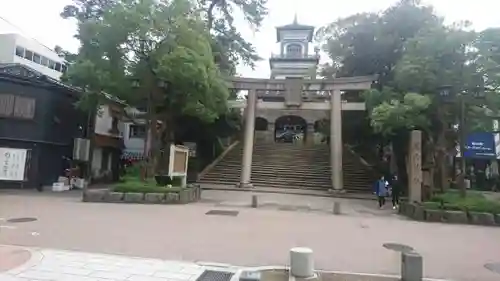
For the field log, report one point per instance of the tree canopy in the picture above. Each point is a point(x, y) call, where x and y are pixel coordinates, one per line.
point(415, 54)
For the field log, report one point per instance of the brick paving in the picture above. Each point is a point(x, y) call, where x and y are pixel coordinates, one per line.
point(56, 265)
point(255, 237)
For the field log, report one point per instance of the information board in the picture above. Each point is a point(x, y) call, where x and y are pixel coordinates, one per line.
point(12, 164)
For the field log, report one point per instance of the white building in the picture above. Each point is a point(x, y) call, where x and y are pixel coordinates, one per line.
point(134, 135)
point(108, 141)
point(15, 48)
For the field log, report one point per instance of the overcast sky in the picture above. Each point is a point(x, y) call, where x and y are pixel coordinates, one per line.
point(39, 19)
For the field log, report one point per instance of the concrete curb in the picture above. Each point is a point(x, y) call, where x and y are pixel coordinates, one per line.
point(346, 273)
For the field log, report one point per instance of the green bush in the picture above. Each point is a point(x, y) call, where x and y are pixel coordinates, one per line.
point(473, 202)
point(137, 188)
point(132, 183)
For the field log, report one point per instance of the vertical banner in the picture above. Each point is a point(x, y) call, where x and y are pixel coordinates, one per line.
point(12, 164)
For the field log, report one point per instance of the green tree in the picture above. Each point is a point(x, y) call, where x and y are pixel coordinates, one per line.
point(164, 50)
point(229, 45)
point(415, 54)
point(372, 43)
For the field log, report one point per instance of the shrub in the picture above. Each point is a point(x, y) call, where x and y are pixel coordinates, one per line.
point(134, 184)
point(473, 202)
point(136, 188)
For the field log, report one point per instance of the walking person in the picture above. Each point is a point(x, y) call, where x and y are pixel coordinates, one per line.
point(381, 190)
point(395, 191)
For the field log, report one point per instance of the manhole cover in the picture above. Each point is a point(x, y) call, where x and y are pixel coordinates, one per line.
point(16, 220)
point(493, 267)
point(212, 275)
point(398, 247)
point(222, 213)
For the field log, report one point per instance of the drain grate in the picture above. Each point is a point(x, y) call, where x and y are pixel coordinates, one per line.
point(398, 247)
point(493, 267)
point(212, 275)
point(222, 213)
point(17, 220)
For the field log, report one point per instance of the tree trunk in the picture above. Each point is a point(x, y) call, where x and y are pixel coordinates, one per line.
point(166, 138)
point(91, 137)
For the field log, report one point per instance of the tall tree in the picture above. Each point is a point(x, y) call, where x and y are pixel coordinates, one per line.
point(372, 43)
point(228, 43)
point(163, 48)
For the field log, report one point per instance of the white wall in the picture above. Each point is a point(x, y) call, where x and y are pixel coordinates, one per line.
point(8, 43)
point(132, 144)
point(7, 48)
point(104, 122)
point(97, 169)
point(294, 35)
point(96, 161)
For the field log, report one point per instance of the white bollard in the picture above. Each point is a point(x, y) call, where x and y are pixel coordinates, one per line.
point(301, 262)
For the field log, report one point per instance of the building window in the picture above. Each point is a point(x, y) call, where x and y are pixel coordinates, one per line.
point(64, 68)
point(294, 50)
point(52, 64)
point(20, 52)
point(6, 104)
point(58, 67)
point(45, 61)
point(137, 131)
point(24, 108)
point(28, 55)
point(37, 58)
point(16, 106)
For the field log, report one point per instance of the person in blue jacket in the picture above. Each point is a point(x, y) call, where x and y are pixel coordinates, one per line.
point(381, 189)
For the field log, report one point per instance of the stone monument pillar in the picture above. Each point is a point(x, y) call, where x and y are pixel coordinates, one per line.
point(336, 139)
point(415, 167)
point(246, 168)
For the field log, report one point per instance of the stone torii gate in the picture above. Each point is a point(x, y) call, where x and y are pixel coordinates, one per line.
point(299, 94)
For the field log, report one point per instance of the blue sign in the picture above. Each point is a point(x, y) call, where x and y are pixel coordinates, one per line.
point(480, 146)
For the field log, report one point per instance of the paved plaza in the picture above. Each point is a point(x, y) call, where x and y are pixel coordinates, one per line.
point(352, 241)
point(60, 265)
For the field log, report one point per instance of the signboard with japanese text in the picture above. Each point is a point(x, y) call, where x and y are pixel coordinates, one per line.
point(12, 164)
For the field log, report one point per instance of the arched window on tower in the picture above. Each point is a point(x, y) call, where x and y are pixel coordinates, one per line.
point(294, 50)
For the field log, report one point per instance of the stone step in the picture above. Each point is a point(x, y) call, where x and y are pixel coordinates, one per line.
point(294, 168)
point(325, 181)
point(350, 188)
point(290, 166)
point(260, 175)
point(286, 173)
point(307, 185)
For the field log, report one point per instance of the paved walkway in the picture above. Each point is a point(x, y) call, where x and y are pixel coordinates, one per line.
point(254, 237)
point(56, 265)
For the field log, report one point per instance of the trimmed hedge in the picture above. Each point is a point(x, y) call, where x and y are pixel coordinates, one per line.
point(473, 202)
point(144, 189)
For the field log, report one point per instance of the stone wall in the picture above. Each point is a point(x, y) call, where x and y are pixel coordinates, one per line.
point(184, 196)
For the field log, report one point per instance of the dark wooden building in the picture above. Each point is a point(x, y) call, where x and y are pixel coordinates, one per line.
point(39, 114)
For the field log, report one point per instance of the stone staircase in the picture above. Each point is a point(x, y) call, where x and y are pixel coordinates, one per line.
point(286, 165)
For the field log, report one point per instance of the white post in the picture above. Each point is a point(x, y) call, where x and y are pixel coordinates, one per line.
point(301, 262)
point(246, 168)
point(336, 139)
